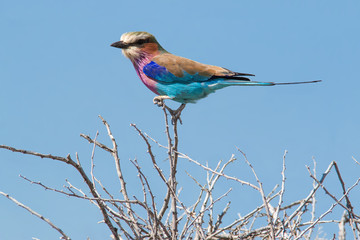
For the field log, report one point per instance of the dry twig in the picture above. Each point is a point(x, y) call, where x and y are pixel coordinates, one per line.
point(143, 217)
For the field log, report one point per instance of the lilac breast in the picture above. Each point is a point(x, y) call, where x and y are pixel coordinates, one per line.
point(139, 65)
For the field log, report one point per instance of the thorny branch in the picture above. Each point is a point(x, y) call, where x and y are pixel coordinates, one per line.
point(78, 167)
point(139, 213)
point(64, 236)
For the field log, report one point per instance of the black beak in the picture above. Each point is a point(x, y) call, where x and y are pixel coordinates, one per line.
point(119, 44)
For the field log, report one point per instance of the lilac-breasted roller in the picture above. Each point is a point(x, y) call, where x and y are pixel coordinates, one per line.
point(177, 78)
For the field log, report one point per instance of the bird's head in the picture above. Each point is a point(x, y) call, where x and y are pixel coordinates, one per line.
point(135, 45)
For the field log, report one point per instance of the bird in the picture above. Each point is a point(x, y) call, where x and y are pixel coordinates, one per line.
point(178, 78)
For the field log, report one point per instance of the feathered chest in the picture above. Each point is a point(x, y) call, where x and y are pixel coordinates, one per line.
point(139, 65)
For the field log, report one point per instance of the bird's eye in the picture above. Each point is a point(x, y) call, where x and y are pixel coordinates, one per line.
point(142, 41)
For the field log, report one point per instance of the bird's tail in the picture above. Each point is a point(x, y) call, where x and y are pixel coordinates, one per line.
point(253, 83)
point(288, 83)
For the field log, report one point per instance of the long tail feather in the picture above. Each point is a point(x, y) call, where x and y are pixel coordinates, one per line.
point(254, 83)
point(288, 83)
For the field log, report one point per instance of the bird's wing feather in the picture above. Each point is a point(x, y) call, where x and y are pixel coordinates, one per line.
point(170, 69)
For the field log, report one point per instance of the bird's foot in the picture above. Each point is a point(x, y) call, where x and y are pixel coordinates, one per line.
point(159, 100)
point(175, 114)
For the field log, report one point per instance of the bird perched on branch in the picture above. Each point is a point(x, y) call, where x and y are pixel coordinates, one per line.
point(177, 78)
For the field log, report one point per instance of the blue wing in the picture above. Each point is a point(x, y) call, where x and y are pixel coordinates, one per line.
point(161, 74)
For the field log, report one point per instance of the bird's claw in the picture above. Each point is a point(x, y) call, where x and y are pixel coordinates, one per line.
point(158, 101)
point(175, 114)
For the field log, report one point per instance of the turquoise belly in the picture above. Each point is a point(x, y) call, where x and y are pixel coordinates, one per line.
point(186, 93)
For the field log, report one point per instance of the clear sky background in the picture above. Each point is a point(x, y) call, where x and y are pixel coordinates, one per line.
point(58, 73)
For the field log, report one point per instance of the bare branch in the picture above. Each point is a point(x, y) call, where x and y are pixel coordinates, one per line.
point(306, 200)
point(261, 190)
point(140, 219)
point(217, 173)
point(342, 231)
point(92, 160)
point(64, 236)
point(72, 194)
point(329, 210)
point(78, 167)
point(313, 204)
point(326, 191)
point(281, 195)
point(88, 138)
point(114, 153)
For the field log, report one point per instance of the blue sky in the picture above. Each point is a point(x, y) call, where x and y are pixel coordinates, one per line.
point(58, 73)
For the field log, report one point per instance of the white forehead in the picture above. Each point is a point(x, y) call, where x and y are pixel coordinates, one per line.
point(130, 37)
